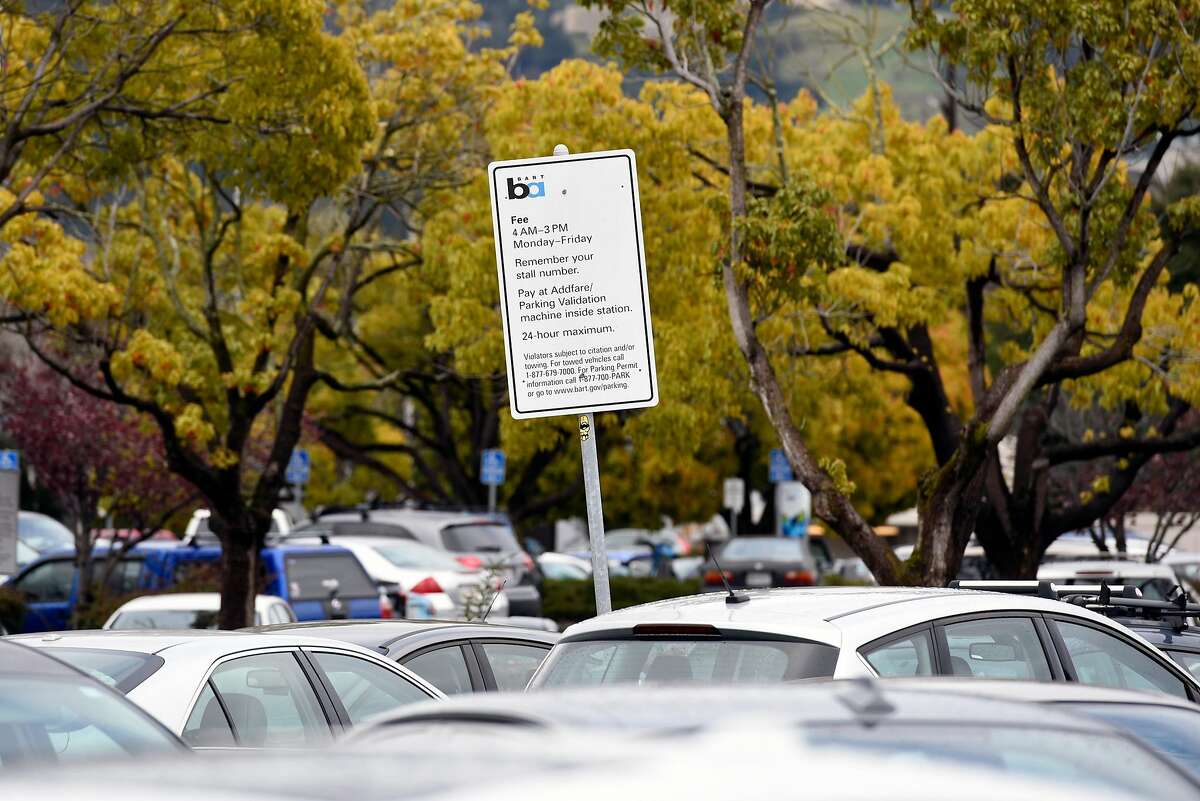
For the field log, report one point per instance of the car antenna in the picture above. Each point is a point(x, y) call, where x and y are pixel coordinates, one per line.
point(492, 602)
point(732, 597)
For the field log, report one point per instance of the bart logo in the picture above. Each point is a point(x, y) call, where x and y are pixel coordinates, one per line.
point(526, 188)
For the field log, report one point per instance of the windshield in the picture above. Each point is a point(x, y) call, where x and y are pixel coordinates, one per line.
point(1171, 731)
point(1188, 660)
point(166, 619)
point(402, 553)
point(122, 670)
point(479, 537)
point(684, 661)
point(1081, 759)
point(774, 549)
point(64, 720)
point(43, 533)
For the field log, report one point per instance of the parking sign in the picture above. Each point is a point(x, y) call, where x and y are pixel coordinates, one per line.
point(492, 464)
point(780, 468)
point(299, 467)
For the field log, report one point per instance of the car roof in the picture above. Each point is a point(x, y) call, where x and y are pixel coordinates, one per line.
point(379, 634)
point(198, 643)
point(1115, 567)
point(820, 614)
point(681, 708)
point(1038, 691)
point(1163, 633)
point(200, 601)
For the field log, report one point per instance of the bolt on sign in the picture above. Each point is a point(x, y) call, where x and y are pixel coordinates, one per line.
point(573, 295)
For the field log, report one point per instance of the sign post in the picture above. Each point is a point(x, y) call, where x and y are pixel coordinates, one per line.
point(574, 301)
point(10, 504)
point(734, 496)
point(492, 465)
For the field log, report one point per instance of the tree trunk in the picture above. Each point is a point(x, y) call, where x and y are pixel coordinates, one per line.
point(239, 579)
point(84, 571)
point(950, 499)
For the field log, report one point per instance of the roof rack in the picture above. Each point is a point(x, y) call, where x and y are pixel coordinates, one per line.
point(1110, 600)
point(1050, 590)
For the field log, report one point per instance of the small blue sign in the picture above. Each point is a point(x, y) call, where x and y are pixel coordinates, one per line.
point(10, 460)
point(780, 468)
point(491, 467)
point(299, 467)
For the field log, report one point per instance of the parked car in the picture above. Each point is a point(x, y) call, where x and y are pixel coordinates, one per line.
point(450, 588)
point(190, 610)
point(52, 713)
point(454, 657)
point(1153, 579)
point(477, 541)
point(783, 635)
point(221, 689)
point(889, 726)
point(760, 562)
point(319, 582)
point(564, 566)
point(198, 529)
point(1167, 725)
point(38, 534)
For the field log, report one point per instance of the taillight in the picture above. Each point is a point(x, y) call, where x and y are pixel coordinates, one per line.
point(386, 610)
point(799, 578)
point(527, 560)
point(469, 562)
point(713, 577)
point(425, 586)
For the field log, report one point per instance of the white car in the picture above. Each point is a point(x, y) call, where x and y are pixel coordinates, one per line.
point(450, 588)
point(191, 610)
point(226, 689)
point(564, 566)
point(782, 635)
point(1155, 580)
point(198, 528)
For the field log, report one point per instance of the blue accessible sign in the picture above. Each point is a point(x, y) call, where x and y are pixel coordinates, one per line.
point(780, 468)
point(491, 467)
point(299, 467)
point(10, 460)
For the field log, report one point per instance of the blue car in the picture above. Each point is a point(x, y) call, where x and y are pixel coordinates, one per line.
point(321, 582)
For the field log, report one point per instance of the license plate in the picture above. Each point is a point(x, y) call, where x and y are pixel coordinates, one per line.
point(758, 579)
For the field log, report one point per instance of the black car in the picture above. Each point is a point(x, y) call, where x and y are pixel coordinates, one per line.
point(454, 657)
point(760, 562)
point(52, 713)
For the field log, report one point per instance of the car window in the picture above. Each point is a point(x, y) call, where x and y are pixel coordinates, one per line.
point(1171, 731)
point(683, 661)
point(63, 719)
point(997, 648)
point(278, 613)
point(910, 656)
point(512, 664)
point(121, 670)
point(41, 533)
point(1187, 660)
point(1105, 661)
point(444, 668)
point(208, 726)
point(49, 581)
point(124, 576)
point(406, 554)
point(166, 619)
point(366, 689)
point(270, 702)
point(490, 537)
point(765, 548)
point(315, 577)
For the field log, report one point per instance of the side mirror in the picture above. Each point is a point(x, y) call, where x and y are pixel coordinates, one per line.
point(993, 652)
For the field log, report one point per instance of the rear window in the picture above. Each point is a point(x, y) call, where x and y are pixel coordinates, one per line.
point(765, 548)
point(166, 619)
point(315, 577)
point(122, 670)
point(479, 537)
point(593, 663)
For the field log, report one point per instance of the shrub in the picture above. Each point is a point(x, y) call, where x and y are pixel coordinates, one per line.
point(12, 610)
point(569, 601)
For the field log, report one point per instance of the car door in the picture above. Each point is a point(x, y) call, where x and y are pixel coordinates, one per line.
point(48, 589)
point(1096, 655)
point(451, 667)
point(508, 665)
point(261, 700)
point(362, 688)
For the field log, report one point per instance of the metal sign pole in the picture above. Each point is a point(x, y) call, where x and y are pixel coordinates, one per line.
point(491, 498)
point(595, 511)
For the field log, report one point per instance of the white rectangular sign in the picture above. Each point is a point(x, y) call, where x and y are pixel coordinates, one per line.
point(573, 295)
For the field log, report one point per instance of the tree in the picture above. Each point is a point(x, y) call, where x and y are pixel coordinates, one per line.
point(96, 459)
point(1031, 228)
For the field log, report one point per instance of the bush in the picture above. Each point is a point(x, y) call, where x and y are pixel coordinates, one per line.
point(568, 601)
point(12, 610)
